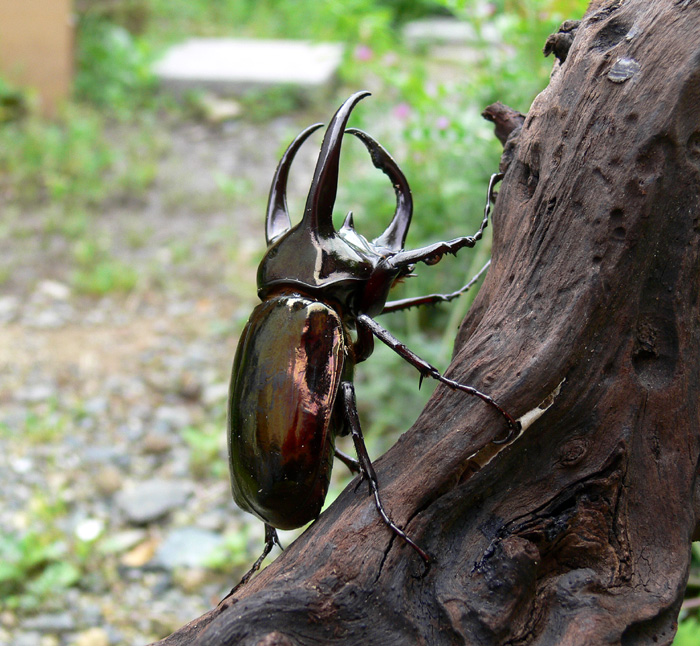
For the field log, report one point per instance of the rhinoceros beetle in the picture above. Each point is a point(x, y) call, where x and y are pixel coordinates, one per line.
point(291, 391)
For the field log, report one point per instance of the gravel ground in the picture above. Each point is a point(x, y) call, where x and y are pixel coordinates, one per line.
point(112, 407)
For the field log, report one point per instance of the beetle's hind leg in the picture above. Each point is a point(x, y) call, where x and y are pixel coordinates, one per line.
point(367, 470)
point(271, 539)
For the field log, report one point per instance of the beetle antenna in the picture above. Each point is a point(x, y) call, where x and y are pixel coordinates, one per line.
point(394, 237)
point(318, 214)
point(277, 220)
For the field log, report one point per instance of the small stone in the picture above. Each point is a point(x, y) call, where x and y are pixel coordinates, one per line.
point(26, 639)
point(191, 580)
point(156, 442)
point(215, 393)
point(96, 405)
point(141, 554)
point(8, 618)
point(54, 289)
point(50, 318)
point(59, 622)
point(214, 519)
point(35, 393)
point(22, 465)
point(187, 547)
point(190, 388)
point(152, 499)
point(9, 305)
point(175, 417)
point(217, 110)
point(91, 637)
point(122, 541)
point(89, 529)
point(108, 480)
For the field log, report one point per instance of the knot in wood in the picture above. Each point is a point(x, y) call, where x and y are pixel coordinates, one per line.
point(573, 452)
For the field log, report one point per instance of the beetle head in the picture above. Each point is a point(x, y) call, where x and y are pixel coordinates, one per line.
point(313, 254)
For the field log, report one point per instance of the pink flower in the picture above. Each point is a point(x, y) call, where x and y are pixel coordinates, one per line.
point(442, 123)
point(363, 53)
point(402, 111)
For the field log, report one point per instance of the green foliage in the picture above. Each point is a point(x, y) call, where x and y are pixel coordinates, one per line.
point(60, 161)
point(98, 273)
point(346, 20)
point(33, 568)
point(13, 102)
point(207, 447)
point(689, 624)
point(235, 551)
point(688, 633)
point(114, 68)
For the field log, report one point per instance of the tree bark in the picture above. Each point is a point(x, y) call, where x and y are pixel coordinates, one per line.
point(579, 531)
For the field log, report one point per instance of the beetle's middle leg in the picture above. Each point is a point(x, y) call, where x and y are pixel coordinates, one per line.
point(428, 370)
point(347, 391)
point(350, 462)
point(432, 299)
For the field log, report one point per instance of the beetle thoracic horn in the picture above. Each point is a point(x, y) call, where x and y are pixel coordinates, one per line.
point(318, 214)
point(394, 236)
point(277, 220)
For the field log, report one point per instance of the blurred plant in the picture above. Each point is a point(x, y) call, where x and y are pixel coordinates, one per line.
point(33, 568)
point(207, 448)
point(688, 633)
point(113, 68)
point(13, 102)
point(689, 621)
point(98, 273)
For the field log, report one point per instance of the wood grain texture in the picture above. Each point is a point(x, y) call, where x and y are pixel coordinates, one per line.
point(579, 532)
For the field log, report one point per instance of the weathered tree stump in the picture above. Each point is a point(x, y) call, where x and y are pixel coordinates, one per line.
point(579, 531)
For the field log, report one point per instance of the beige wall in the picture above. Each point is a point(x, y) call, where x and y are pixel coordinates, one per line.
point(36, 48)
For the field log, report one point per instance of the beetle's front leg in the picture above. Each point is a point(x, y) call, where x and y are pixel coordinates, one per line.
point(271, 539)
point(433, 253)
point(347, 391)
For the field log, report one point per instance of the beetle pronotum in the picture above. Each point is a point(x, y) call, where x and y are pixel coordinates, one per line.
point(291, 389)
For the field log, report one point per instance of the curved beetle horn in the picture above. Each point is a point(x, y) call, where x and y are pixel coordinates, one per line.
point(394, 237)
point(277, 220)
point(318, 215)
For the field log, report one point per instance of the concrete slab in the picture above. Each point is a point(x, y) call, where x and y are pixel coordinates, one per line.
point(233, 66)
point(438, 31)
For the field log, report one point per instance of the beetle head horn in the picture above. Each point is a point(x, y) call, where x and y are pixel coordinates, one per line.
point(277, 220)
point(318, 214)
point(394, 236)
